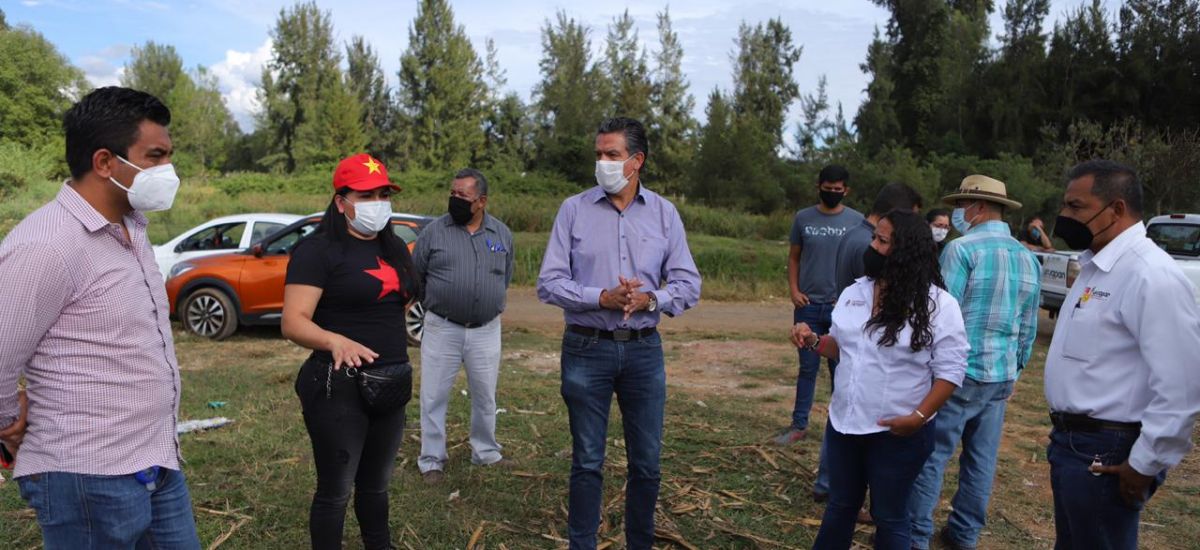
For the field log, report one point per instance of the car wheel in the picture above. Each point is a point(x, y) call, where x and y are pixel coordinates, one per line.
point(209, 312)
point(414, 323)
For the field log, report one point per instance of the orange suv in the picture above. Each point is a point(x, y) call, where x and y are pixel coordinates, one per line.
point(213, 295)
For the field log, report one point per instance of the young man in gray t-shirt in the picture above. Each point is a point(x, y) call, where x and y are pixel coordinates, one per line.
point(812, 276)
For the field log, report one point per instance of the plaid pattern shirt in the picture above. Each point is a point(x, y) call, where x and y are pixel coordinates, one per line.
point(997, 283)
point(83, 314)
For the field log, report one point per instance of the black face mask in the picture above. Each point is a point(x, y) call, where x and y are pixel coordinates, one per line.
point(831, 198)
point(1077, 234)
point(873, 262)
point(460, 210)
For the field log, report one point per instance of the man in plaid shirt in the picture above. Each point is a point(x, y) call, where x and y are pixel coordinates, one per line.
point(997, 283)
point(83, 312)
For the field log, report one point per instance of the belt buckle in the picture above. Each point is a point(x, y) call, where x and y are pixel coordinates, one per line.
point(622, 335)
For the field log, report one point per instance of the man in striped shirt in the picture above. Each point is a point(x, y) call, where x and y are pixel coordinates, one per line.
point(997, 283)
point(465, 262)
point(83, 314)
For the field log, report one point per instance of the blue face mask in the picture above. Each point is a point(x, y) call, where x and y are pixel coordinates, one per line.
point(1035, 233)
point(958, 218)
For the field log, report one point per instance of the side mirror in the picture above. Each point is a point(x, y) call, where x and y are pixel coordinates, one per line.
point(257, 250)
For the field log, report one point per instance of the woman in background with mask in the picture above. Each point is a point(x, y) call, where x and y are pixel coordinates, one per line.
point(901, 348)
point(939, 225)
point(347, 287)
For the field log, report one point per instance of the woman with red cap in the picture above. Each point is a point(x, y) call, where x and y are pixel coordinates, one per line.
point(347, 287)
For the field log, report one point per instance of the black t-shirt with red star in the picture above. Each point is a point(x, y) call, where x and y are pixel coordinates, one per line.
point(363, 296)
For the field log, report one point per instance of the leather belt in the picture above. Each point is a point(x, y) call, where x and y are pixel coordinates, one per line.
point(1070, 422)
point(619, 335)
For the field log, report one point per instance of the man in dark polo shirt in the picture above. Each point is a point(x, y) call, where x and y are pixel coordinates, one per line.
point(465, 262)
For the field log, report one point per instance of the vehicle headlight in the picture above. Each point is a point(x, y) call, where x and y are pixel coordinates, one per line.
point(179, 269)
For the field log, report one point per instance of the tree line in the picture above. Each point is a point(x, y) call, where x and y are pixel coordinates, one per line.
point(943, 100)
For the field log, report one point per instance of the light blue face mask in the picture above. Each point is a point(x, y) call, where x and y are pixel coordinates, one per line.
point(958, 218)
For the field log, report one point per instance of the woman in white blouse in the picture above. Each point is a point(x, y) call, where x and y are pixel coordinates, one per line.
point(901, 348)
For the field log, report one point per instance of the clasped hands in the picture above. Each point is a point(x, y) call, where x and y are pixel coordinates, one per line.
point(625, 297)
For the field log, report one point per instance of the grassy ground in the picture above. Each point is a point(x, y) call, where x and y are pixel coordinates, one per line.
point(722, 488)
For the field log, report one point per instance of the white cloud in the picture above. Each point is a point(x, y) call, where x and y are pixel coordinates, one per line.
point(105, 67)
point(239, 75)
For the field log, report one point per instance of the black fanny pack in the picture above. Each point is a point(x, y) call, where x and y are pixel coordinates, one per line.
point(384, 388)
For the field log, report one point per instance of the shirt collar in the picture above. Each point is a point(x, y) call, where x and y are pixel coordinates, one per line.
point(448, 221)
point(1108, 256)
point(92, 220)
point(596, 193)
point(991, 226)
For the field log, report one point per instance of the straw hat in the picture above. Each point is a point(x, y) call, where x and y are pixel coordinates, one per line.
point(981, 188)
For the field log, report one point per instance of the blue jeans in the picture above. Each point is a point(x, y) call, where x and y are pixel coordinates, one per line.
point(85, 512)
point(592, 370)
point(1088, 510)
point(974, 414)
point(818, 316)
point(887, 464)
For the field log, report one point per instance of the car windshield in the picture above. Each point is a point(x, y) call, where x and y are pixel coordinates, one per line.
point(287, 241)
point(1176, 238)
point(226, 236)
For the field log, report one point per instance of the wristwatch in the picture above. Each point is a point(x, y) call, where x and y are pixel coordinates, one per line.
point(653, 302)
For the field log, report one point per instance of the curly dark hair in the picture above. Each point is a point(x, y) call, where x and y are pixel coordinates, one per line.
point(909, 270)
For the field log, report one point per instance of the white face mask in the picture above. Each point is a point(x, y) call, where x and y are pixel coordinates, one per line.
point(370, 217)
point(153, 188)
point(610, 174)
point(939, 233)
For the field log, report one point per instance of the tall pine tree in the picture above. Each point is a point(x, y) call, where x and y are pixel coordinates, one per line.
point(306, 106)
point(365, 77)
point(441, 93)
point(566, 102)
point(672, 129)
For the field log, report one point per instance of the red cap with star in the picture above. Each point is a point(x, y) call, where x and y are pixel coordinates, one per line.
point(361, 172)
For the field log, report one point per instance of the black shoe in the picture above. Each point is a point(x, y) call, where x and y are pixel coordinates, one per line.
point(949, 541)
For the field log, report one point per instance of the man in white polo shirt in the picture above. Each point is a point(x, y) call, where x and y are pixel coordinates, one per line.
point(1122, 379)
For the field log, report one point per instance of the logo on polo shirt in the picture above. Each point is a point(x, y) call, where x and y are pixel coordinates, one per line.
point(1093, 292)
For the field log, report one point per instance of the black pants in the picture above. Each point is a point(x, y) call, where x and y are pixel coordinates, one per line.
point(351, 447)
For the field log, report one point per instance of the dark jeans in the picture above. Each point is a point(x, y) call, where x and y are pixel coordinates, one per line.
point(887, 464)
point(818, 316)
point(86, 512)
point(351, 447)
point(592, 370)
point(1088, 510)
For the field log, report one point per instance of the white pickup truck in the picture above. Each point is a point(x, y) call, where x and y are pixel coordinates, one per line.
point(1177, 234)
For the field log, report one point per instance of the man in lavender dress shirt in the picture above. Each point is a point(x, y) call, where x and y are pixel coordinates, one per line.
point(617, 258)
point(83, 314)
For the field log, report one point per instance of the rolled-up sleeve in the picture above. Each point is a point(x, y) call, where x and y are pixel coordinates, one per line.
point(556, 284)
point(1165, 323)
point(682, 291)
point(37, 285)
point(950, 346)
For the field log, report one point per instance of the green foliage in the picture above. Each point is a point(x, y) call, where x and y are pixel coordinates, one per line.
point(155, 69)
point(626, 71)
point(672, 131)
point(26, 163)
point(763, 84)
point(37, 85)
point(308, 113)
point(365, 78)
point(566, 99)
point(442, 93)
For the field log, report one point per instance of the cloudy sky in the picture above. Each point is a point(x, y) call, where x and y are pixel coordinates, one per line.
point(231, 36)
